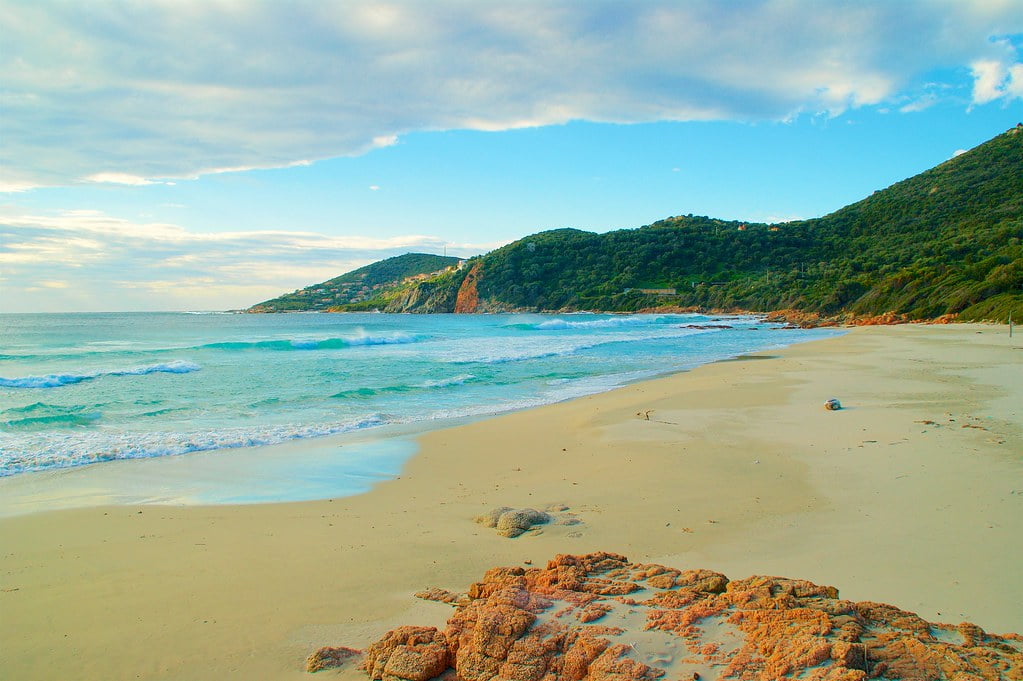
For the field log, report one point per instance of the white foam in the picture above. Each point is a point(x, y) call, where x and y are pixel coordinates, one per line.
point(613, 322)
point(57, 380)
point(447, 382)
point(40, 451)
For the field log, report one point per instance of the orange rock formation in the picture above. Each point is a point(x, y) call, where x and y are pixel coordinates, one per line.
point(468, 298)
point(599, 617)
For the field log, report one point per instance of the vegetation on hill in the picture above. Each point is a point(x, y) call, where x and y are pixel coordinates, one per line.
point(374, 281)
point(947, 241)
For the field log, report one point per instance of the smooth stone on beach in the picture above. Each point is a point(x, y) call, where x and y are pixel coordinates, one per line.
point(833, 405)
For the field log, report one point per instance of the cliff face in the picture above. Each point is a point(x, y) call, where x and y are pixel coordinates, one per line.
point(452, 294)
point(426, 297)
point(432, 295)
point(468, 299)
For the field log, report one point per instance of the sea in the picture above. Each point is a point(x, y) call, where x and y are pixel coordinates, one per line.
point(85, 390)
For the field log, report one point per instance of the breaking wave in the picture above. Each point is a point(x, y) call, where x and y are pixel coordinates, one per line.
point(58, 380)
point(286, 345)
point(41, 451)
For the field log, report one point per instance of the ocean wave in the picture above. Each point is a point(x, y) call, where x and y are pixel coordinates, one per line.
point(39, 415)
point(566, 347)
point(58, 380)
point(612, 323)
point(448, 382)
point(285, 345)
point(42, 451)
point(366, 392)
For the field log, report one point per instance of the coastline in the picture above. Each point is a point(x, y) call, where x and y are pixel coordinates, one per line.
point(733, 466)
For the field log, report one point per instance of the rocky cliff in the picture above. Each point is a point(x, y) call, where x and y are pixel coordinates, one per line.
point(599, 617)
point(468, 299)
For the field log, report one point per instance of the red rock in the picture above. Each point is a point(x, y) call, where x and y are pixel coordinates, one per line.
point(440, 595)
point(468, 298)
point(544, 625)
point(330, 657)
point(408, 653)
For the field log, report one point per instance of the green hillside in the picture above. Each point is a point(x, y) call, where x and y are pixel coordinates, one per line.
point(947, 241)
point(353, 288)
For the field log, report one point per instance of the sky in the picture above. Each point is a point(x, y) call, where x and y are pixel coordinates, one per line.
point(180, 155)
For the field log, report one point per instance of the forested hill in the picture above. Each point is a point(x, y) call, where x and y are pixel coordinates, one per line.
point(372, 281)
point(947, 241)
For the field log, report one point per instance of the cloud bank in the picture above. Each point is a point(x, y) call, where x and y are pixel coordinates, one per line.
point(85, 260)
point(138, 92)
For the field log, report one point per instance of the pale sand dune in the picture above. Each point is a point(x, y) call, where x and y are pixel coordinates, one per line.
point(738, 469)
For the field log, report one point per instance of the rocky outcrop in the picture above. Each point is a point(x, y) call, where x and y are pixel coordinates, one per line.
point(410, 653)
point(599, 617)
point(427, 297)
point(468, 300)
point(800, 318)
point(886, 319)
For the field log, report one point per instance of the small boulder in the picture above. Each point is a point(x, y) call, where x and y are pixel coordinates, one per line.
point(329, 658)
point(490, 518)
point(833, 405)
point(511, 522)
point(515, 522)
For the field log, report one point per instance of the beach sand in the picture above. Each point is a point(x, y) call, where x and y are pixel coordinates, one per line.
point(912, 494)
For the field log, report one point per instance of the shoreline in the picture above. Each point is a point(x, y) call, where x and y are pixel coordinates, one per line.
point(191, 477)
point(735, 467)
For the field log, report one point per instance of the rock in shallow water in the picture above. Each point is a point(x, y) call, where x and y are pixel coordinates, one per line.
point(599, 617)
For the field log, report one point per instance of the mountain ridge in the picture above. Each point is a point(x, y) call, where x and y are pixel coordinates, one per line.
point(943, 243)
point(353, 288)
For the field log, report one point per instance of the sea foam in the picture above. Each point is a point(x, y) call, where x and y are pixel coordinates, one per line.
point(58, 380)
point(288, 344)
point(41, 451)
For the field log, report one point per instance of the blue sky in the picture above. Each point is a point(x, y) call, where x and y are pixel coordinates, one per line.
point(209, 155)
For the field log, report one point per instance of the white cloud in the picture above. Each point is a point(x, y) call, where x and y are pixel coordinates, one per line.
point(1014, 83)
point(119, 178)
point(959, 152)
point(999, 75)
point(48, 284)
point(116, 264)
point(180, 87)
point(925, 102)
point(988, 76)
point(16, 187)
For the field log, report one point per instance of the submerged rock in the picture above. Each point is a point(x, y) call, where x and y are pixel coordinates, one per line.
point(599, 617)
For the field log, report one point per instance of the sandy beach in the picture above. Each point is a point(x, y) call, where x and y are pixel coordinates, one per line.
point(912, 494)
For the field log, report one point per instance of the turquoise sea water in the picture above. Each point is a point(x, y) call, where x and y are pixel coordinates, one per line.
point(78, 389)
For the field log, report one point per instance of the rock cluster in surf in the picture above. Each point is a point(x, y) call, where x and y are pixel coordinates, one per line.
point(599, 617)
